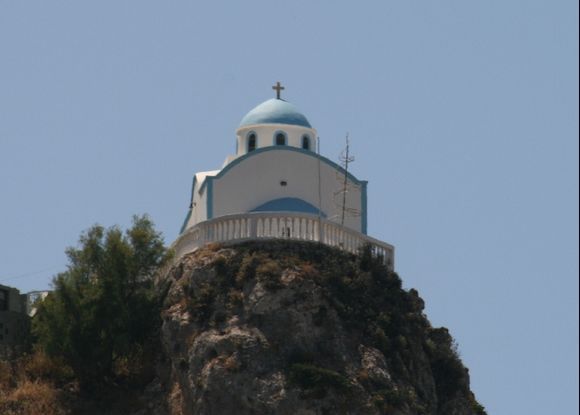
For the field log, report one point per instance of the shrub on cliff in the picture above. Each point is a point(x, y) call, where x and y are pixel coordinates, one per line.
point(103, 310)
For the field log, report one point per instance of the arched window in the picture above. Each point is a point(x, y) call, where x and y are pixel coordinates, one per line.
point(251, 142)
point(305, 142)
point(280, 139)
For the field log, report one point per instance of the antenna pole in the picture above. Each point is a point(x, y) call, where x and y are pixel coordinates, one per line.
point(345, 184)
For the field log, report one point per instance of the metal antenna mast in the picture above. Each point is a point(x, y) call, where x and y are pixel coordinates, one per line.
point(345, 159)
point(344, 186)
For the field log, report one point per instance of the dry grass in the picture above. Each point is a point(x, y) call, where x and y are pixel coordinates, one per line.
point(308, 270)
point(231, 363)
point(38, 366)
point(28, 386)
point(175, 401)
point(363, 376)
point(38, 385)
point(32, 398)
point(5, 375)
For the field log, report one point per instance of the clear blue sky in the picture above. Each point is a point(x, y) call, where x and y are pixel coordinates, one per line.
point(463, 116)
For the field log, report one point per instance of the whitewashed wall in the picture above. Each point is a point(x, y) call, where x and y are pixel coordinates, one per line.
point(199, 200)
point(265, 134)
point(256, 180)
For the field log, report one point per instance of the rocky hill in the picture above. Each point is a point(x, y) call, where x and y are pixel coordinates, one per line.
point(300, 328)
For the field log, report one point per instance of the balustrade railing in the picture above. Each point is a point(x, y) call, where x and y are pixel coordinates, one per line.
point(268, 225)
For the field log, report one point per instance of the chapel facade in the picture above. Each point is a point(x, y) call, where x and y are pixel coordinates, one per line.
point(277, 185)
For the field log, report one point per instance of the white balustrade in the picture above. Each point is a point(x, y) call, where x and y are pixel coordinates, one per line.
point(271, 225)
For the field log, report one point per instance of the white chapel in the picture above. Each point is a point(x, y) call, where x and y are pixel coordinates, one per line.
point(277, 185)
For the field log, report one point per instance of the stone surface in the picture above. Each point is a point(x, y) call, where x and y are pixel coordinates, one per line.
point(272, 337)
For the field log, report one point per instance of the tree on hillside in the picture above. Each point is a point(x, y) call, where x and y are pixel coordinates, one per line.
point(103, 311)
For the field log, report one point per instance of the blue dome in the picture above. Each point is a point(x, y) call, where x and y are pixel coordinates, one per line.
point(275, 111)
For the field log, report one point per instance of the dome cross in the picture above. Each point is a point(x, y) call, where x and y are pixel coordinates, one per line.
point(278, 87)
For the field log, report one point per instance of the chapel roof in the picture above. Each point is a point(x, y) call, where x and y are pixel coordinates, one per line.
point(275, 111)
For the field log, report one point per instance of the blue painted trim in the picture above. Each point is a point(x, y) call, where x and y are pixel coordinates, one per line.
point(187, 217)
point(190, 205)
point(363, 202)
point(240, 159)
point(248, 141)
point(209, 197)
point(276, 136)
point(288, 204)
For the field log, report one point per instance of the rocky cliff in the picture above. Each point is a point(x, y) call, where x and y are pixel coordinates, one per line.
point(300, 328)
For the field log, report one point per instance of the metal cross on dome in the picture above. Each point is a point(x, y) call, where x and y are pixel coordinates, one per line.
point(278, 87)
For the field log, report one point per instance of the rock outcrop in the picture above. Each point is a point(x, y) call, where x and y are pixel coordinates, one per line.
point(301, 329)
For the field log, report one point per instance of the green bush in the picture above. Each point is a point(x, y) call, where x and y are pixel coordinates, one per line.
point(310, 377)
point(477, 407)
point(201, 302)
point(448, 371)
point(449, 375)
point(268, 273)
point(104, 308)
point(389, 399)
point(247, 268)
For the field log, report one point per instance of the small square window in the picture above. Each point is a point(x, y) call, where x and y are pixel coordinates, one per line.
point(3, 300)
